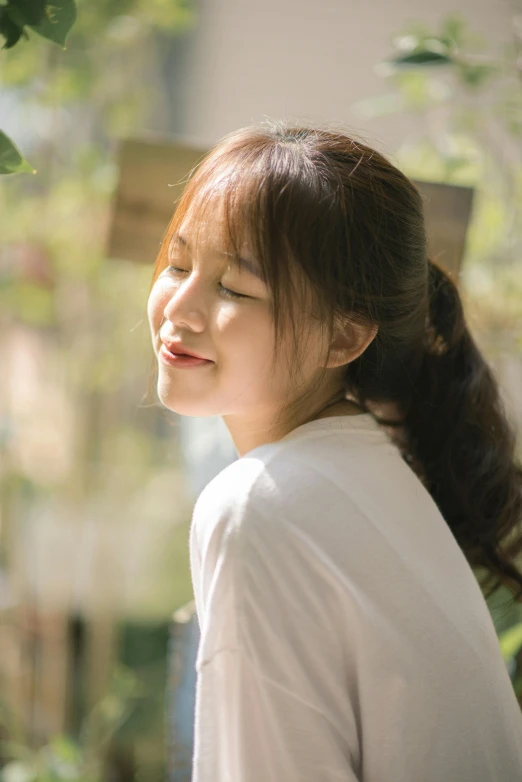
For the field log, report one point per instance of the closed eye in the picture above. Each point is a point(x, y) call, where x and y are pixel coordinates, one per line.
point(225, 291)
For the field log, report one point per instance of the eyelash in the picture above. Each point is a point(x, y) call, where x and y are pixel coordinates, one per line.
point(226, 291)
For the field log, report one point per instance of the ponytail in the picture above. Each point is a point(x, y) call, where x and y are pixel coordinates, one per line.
point(457, 438)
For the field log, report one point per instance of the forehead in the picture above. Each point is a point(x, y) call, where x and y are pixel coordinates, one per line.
point(204, 222)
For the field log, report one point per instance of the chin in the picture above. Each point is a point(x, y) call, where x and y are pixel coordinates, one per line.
point(185, 406)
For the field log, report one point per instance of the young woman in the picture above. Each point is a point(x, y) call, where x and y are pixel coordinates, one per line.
point(344, 635)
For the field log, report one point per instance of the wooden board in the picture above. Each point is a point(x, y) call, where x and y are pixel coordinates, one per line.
point(447, 212)
point(152, 178)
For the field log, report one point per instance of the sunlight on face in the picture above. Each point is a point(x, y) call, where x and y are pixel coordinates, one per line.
point(220, 310)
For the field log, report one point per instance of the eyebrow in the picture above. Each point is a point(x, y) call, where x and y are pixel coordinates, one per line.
point(243, 263)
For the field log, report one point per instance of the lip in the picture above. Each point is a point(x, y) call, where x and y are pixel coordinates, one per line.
point(180, 361)
point(180, 350)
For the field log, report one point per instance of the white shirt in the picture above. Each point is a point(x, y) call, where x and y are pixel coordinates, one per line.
point(343, 633)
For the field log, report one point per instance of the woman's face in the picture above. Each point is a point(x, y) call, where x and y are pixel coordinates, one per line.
point(191, 302)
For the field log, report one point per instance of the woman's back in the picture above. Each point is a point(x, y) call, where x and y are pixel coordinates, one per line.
point(341, 624)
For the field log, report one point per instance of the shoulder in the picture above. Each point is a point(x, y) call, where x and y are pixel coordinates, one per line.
point(263, 482)
point(250, 499)
point(236, 496)
point(292, 479)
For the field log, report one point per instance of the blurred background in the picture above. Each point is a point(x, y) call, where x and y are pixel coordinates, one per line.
point(97, 480)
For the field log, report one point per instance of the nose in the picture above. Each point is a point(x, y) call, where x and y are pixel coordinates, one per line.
point(186, 306)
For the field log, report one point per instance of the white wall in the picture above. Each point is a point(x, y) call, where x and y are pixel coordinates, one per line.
point(303, 59)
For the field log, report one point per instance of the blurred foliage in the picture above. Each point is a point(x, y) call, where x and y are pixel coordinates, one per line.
point(507, 619)
point(55, 280)
point(103, 40)
point(511, 641)
point(51, 21)
point(79, 442)
point(511, 648)
point(62, 757)
point(468, 99)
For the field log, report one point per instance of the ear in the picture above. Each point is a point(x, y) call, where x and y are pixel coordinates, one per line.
point(350, 340)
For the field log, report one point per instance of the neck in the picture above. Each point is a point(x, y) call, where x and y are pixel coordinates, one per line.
point(339, 405)
point(247, 437)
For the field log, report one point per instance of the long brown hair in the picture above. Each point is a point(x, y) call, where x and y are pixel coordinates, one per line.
point(322, 204)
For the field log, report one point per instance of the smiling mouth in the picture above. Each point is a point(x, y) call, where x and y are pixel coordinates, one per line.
point(173, 351)
point(184, 355)
point(181, 359)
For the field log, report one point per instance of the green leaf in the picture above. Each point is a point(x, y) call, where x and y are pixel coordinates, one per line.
point(422, 57)
point(60, 15)
point(511, 641)
point(27, 11)
point(11, 159)
point(15, 14)
point(9, 28)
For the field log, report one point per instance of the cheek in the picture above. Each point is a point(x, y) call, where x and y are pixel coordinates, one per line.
point(245, 327)
point(155, 306)
point(246, 340)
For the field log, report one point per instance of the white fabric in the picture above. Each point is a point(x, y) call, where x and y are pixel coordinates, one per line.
point(343, 633)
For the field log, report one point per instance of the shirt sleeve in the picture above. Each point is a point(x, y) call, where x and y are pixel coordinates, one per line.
point(271, 704)
point(249, 729)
